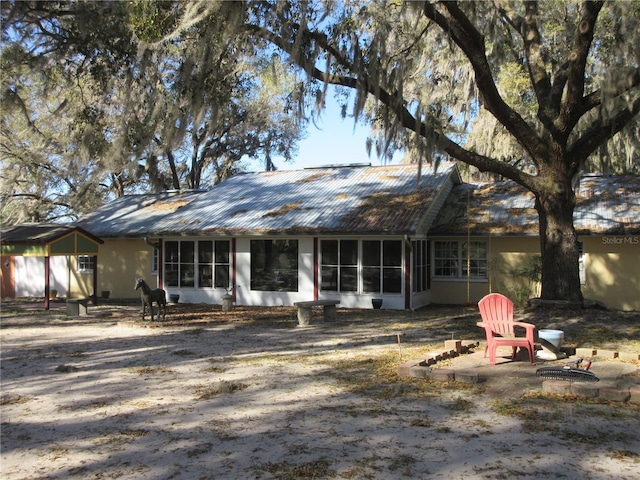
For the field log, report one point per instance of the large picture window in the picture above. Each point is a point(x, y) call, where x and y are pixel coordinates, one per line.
point(274, 265)
point(201, 264)
point(451, 259)
point(378, 261)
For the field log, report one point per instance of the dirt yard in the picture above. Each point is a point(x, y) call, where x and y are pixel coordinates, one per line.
point(249, 395)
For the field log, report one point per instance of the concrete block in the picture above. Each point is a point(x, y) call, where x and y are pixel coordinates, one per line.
point(634, 394)
point(466, 377)
point(586, 390)
point(420, 372)
point(614, 394)
point(442, 374)
point(630, 356)
point(607, 354)
point(586, 352)
point(560, 387)
point(304, 316)
point(403, 370)
point(455, 345)
point(449, 354)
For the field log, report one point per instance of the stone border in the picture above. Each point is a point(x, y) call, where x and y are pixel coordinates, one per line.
point(593, 390)
point(423, 368)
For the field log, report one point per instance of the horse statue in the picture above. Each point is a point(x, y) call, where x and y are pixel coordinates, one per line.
point(149, 296)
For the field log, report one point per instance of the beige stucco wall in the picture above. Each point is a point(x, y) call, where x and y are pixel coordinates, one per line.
point(120, 262)
point(612, 271)
point(611, 265)
point(80, 284)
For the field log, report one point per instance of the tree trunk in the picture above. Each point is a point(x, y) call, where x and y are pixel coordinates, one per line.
point(559, 243)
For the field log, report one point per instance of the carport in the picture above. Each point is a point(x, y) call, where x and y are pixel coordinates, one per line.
point(47, 240)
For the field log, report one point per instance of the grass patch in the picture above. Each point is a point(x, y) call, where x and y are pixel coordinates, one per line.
point(221, 388)
point(535, 416)
point(402, 463)
point(624, 454)
point(148, 370)
point(183, 353)
point(14, 399)
point(91, 405)
point(302, 471)
point(199, 450)
point(460, 405)
point(122, 436)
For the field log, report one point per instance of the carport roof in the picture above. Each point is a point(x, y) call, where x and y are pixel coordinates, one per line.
point(31, 239)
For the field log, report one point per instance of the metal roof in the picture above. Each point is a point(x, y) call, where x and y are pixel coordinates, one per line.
point(371, 200)
point(39, 233)
point(604, 205)
point(134, 215)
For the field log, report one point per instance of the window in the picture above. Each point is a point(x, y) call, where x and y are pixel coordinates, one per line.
point(196, 264)
point(274, 265)
point(85, 263)
point(371, 266)
point(205, 263)
point(154, 261)
point(460, 259)
point(171, 264)
point(446, 259)
point(380, 266)
point(187, 264)
point(474, 256)
point(339, 267)
point(421, 266)
point(222, 264)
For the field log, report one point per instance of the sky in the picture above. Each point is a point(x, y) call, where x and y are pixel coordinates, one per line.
point(332, 140)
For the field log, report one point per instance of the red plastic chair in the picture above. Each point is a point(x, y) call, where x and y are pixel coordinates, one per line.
point(496, 311)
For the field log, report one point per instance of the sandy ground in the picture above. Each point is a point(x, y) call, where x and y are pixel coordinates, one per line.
point(99, 397)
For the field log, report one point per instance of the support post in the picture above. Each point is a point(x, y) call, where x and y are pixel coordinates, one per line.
point(47, 287)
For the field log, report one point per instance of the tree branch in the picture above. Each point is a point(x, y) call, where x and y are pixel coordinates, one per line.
point(471, 42)
point(601, 131)
point(396, 105)
point(623, 86)
point(571, 111)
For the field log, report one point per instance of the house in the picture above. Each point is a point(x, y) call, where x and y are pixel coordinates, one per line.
point(349, 233)
point(499, 222)
point(358, 233)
